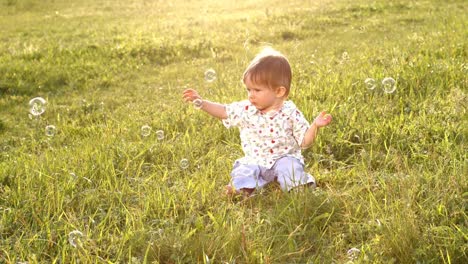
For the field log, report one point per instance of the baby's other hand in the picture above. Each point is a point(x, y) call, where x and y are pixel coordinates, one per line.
point(190, 95)
point(323, 119)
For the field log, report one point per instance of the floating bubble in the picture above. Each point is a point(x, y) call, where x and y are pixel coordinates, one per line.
point(160, 135)
point(37, 106)
point(50, 130)
point(353, 253)
point(370, 83)
point(145, 131)
point(389, 85)
point(407, 109)
point(198, 103)
point(184, 164)
point(345, 56)
point(74, 238)
point(210, 75)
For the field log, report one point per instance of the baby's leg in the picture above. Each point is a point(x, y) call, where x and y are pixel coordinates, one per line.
point(245, 178)
point(291, 174)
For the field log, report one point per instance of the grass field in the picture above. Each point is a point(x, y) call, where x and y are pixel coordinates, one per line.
point(391, 168)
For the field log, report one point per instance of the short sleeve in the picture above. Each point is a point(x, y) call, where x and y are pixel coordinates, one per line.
point(234, 113)
point(300, 126)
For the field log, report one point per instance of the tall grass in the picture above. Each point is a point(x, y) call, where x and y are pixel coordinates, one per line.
point(391, 169)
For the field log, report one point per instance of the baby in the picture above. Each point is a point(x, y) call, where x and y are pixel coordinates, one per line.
point(272, 130)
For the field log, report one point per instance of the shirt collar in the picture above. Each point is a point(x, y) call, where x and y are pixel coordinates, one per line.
point(288, 108)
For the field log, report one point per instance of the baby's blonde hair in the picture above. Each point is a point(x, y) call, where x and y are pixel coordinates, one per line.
point(270, 68)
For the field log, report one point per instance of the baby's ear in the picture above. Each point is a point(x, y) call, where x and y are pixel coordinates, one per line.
point(281, 91)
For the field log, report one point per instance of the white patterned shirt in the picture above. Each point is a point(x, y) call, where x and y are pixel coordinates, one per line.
point(265, 138)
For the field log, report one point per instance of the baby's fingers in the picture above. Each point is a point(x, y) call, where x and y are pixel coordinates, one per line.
point(323, 119)
point(322, 115)
point(189, 91)
point(190, 95)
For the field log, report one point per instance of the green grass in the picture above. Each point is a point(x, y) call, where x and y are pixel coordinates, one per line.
point(391, 169)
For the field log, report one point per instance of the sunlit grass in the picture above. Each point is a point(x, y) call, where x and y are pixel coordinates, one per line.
point(391, 169)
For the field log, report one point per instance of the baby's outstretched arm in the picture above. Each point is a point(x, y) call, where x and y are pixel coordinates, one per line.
point(214, 109)
point(323, 119)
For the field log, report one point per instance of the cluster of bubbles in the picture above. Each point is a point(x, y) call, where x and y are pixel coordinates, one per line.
point(37, 107)
point(146, 132)
point(388, 84)
point(210, 76)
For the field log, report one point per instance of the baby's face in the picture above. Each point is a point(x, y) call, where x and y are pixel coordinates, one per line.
point(262, 96)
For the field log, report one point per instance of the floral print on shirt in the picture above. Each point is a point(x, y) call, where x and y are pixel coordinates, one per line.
point(267, 137)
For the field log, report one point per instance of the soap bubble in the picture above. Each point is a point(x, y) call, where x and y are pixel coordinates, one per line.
point(345, 56)
point(389, 85)
point(184, 164)
point(160, 135)
point(37, 106)
point(210, 75)
point(370, 83)
point(145, 130)
point(50, 130)
point(198, 103)
point(353, 253)
point(74, 238)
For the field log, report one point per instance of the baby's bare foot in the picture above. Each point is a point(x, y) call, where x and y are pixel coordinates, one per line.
point(244, 191)
point(229, 190)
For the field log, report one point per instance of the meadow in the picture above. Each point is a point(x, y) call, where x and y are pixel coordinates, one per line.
point(391, 169)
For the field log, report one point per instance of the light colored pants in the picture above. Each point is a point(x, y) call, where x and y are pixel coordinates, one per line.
point(288, 171)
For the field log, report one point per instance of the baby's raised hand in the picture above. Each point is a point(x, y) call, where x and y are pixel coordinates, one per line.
point(323, 119)
point(190, 95)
